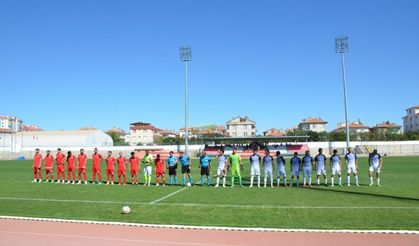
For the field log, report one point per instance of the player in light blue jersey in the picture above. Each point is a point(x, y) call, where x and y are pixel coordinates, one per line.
point(222, 168)
point(268, 168)
point(205, 166)
point(255, 161)
point(352, 166)
point(335, 168)
point(172, 166)
point(320, 165)
point(295, 168)
point(186, 167)
point(307, 161)
point(280, 169)
point(376, 163)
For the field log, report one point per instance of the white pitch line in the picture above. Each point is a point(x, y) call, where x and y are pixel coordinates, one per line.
point(217, 228)
point(204, 204)
point(165, 197)
point(106, 238)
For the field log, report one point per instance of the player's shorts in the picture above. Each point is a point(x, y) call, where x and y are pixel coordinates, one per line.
point(205, 171)
point(307, 171)
point(70, 169)
point(255, 170)
point(109, 171)
point(221, 172)
point(121, 172)
point(295, 172)
point(235, 171)
point(36, 169)
point(186, 169)
point(352, 170)
point(375, 168)
point(48, 170)
point(281, 172)
point(268, 172)
point(95, 169)
point(134, 172)
point(159, 174)
point(172, 170)
point(147, 170)
point(321, 171)
point(336, 170)
point(60, 168)
point(82, 170)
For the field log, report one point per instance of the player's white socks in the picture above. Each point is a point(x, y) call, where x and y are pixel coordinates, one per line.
point(304, 181)
point(251, 180)
point(309, 181)
point(264, 181)
point(378, 181)
point(356, 180)
point(278, 181)
point(332, 180)
point(258, 181)
point(340, 181)
point(224, 181)
point(349, 180)
point(272, 182)
point(318, 181)
point(371, 181)
point(325, 181)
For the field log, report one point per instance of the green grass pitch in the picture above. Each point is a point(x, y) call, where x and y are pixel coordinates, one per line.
point(395, 205)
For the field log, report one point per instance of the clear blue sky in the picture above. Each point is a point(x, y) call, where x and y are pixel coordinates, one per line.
point(72, 63)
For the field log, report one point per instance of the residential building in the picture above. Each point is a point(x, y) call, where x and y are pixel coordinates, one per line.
point(273, 132)
point(354, 127)
point(386, 127)
point(11, 123)
point(241, 127)
point(31, 128)
point(204, 131)
point(411, 120)
point(143, 133)
point(314, 124)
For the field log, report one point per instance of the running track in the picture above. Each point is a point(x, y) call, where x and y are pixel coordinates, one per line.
point(26, 232)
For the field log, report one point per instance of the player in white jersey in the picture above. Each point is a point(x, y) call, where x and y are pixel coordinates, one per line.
point(268, 168)
point(352, 166)
point(307, 163)
point(335, 168)
point(221, 170)
point(376, 163)
point(255, 161)
point(320, 164)
point(280, 169)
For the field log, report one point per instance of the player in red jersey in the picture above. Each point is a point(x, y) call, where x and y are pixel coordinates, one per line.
point(37, 159)
point(48, 164)
point(97, 158)
point(82, 159)
point(159, 162)
point(71, 166)
point(121, 168)
point(110, 161)
point(134, 168)
point(60, 158)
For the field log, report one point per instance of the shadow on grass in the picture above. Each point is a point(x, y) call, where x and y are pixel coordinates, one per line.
point(364, 193)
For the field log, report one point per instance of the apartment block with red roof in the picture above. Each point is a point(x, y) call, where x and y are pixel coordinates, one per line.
point(386, 127)
point(315, 124)
point(143, 133)
point(411, 120)
point(354, 127)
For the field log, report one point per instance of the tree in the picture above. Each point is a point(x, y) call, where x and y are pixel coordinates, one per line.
point(117, 140)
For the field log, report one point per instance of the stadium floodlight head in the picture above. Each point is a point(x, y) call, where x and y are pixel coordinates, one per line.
point(341, 44)
point(185, 53)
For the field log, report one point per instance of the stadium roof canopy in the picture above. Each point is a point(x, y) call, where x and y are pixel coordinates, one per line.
point(261, 139)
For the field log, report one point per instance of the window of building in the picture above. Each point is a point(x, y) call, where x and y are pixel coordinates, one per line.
point(234, 134)
point(245, 127)
point(245, 134)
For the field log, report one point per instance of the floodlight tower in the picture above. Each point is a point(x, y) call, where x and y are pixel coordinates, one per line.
point(341, 46)
point(186, 57)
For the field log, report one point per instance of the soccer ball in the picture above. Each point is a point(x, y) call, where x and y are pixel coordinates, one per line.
point(125, 210)
point(188, 184)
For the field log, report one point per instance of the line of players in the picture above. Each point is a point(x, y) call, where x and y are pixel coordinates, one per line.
point(232, 163)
